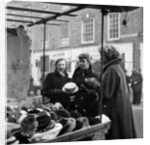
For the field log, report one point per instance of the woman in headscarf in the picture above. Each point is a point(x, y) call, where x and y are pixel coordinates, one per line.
point(87, 97)
point(54, 82)
point(116, 96)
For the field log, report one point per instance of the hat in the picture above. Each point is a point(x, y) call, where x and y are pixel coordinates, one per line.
point(70, 88)
point(29, 126)
point(75, 114)
point(86, 56)
point(94, 120)
point(47, 135)
point(110, 52)
point(69, 125)
point(11, 128)
point(12, 140)
point(81, 122)
point(44, 121)
point(62, 113)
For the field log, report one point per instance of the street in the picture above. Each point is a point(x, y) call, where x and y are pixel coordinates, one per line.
point(138, 118)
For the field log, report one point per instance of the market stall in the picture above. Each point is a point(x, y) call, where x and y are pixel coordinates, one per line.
point(30, 121)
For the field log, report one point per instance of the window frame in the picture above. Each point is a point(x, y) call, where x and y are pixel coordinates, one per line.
point(82, 25)
point(108, 30)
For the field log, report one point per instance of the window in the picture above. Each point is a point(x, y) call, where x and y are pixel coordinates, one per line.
point(88, 27)
point(113, 26)
point(64, 34)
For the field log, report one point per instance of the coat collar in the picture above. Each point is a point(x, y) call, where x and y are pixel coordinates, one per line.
point(57, 73)
point(114, 61)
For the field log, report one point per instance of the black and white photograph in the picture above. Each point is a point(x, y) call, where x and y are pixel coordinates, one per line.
point(74, 72)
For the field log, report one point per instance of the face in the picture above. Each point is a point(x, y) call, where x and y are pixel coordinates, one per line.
point(61, 66)
point(83, 63)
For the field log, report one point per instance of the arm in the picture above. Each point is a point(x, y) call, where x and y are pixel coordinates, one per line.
point(47, 89)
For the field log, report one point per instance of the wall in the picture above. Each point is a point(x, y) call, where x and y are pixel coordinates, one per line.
point(18, 64)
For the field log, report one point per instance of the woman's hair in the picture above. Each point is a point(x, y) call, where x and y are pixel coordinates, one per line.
point(57, 61)
point(85, 56)
point(111, 53)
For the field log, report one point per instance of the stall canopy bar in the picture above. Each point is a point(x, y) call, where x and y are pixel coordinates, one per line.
point(33, 17)
point(58, 15)
point(22, 21)
point(25, 16)
point(35, 11)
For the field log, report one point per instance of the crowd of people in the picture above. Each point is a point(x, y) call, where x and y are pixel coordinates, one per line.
point(116, 88)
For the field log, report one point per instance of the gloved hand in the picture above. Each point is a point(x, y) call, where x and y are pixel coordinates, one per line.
point(92, 82)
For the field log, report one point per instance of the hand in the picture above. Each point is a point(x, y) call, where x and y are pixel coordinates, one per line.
point(92, 82)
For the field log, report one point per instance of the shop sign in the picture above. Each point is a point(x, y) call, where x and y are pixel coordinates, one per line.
point(60, 54)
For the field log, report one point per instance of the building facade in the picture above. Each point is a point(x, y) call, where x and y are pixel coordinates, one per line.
point(82, 33)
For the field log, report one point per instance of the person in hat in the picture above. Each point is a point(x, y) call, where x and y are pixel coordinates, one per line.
point(116, 96)
point(52, 87)
point(87, 97)
point(136, 84)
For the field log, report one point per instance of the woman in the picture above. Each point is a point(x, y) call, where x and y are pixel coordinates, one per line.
point(116, 97)
point(87, 97)
point(54, 82)
point(136, 84)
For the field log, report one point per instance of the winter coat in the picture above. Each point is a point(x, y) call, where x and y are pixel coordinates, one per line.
point(53, 87)
point(136, 82)
point(86, 98)
point(116, 101)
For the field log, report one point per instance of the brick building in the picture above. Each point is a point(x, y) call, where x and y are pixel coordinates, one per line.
point(82, 33)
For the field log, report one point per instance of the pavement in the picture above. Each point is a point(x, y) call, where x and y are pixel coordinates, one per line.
point(138, 119)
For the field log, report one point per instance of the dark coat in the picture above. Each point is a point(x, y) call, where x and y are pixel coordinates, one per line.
point(86, 98)
point(117, 102)
point(136, 84)
point(53, 87)
point(136, 81)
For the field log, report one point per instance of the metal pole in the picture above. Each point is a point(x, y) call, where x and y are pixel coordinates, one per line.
point(100, 109)
point(44, 38)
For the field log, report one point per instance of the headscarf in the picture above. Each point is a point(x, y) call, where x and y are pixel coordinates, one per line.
point(111, 53)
